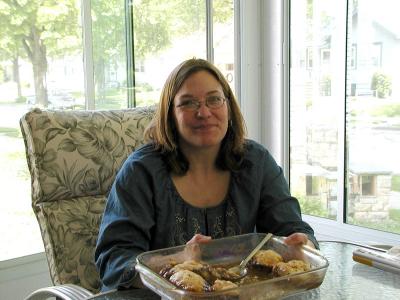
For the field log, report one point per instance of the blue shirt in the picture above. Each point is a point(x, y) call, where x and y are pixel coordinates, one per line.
point(145, 212)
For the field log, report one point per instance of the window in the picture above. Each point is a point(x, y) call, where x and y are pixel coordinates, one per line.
point(368, 185)
point(108, 54)
point(314, 109)
point(40, 65)
point(128, 70)
point(312, 185)
point(223, 43)
point(353, 57)
point(139, 66)
point(309, 58)
point(348, 128)
point(376, 58)
point(164, 35)
point(325, 57)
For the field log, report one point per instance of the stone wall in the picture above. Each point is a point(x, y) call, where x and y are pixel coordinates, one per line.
point(372, 208)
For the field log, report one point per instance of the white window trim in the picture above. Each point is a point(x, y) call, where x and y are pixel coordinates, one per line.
point(21, 276)
point(331, 229)
point(14, 267)
point(237, 49)
point(250, 66)
point(262, 57)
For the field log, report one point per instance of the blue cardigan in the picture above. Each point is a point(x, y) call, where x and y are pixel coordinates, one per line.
point(145, 212)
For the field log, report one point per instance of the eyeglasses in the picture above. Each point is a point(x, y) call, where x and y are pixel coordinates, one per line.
point(212, 102)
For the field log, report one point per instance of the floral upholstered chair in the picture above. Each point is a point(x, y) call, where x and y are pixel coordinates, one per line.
point(73, 157)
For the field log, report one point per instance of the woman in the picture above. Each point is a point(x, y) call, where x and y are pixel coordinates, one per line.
point(198, 178)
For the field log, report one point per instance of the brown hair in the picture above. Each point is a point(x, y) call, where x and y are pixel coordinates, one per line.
point(162, 130)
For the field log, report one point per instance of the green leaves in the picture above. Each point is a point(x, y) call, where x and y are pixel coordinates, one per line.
point(57, 21)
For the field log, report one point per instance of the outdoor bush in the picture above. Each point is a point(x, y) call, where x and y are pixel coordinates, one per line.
point(145, 87)
point(390, 110)
point(309, 103)
point(382, 84)
point(396, 183)
point(312, 207)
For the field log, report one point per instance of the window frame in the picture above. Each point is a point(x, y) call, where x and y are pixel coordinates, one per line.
point(89, 83)
point(324, 228)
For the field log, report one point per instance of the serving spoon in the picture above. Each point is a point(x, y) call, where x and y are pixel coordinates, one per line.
point(241, 268)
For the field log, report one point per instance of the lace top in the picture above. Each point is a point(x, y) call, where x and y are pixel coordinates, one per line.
point(218, 221)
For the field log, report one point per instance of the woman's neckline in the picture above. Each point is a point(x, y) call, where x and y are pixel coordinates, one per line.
point(222, 202)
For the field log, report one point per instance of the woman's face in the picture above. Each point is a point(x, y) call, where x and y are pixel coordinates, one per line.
point(203, 127)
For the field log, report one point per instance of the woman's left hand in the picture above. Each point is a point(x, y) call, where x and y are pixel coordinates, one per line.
point(192, 249)
point(299, 239)
point(199, 239)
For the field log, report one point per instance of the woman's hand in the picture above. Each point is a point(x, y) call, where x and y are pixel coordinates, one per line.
point(192, 250)
point(199, 239)
point(299, 239)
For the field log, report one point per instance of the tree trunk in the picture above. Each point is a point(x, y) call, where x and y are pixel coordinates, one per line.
point(16, 76)
point(100, 80)
point(36, 51)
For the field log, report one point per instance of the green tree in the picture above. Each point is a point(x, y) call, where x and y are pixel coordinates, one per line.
point(11, 50)
point(41, 28)
point(108, 28)
point(49, 28)
point(156, 22)
point(153, 28)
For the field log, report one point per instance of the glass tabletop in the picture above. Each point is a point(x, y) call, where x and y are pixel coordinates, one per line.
point(344, 279)
point(347, 279)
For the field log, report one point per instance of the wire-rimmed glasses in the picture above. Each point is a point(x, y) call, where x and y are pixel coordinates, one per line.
point(192, 104)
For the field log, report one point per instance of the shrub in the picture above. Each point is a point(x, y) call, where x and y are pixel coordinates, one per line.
point(312, 207)
point(382, 84)
point(389, 110)
point(396, 183)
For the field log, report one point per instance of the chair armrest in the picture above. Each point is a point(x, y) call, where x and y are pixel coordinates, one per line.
point(62, 292)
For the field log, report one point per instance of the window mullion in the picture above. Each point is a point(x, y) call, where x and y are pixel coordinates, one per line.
point(130, 53)
point(342, 31)
point(209, 30)
point(250, 66)
point(88, 54)
point(237, 50)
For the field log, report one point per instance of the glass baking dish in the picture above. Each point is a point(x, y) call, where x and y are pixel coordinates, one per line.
point(230, 251)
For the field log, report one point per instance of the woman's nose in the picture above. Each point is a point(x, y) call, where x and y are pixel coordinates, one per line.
point(203, 111)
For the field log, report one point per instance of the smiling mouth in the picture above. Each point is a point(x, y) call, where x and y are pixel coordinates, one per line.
point(204, 127)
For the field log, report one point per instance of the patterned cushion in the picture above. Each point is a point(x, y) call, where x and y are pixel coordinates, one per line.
point(73, 157)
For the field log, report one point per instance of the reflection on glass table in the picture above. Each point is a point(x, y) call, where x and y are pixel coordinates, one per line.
point(345, 279)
